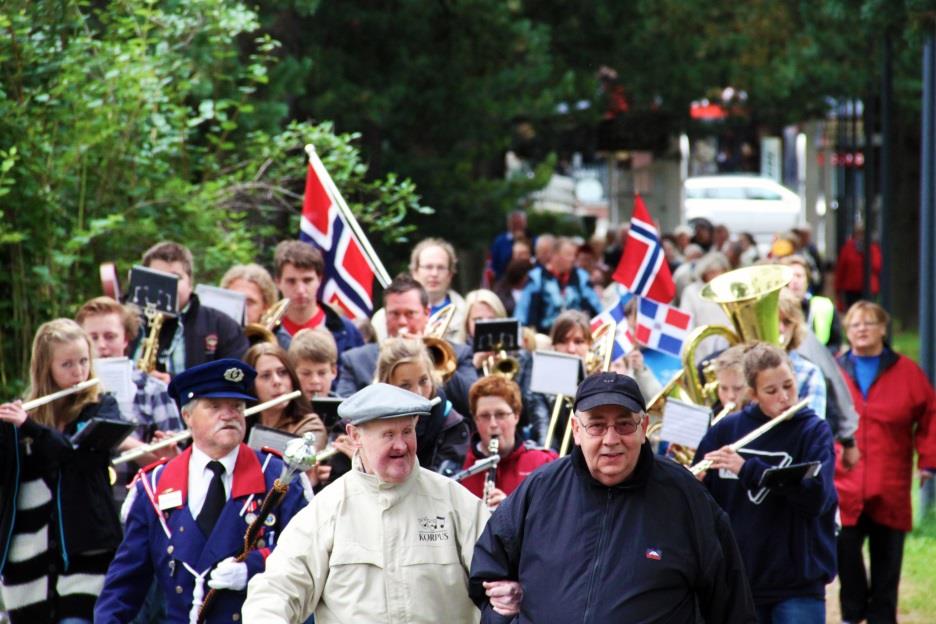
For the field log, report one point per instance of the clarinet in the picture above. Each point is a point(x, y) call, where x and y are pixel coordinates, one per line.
point(491, 475)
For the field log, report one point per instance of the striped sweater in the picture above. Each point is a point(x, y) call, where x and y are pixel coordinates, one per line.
point(38, 585)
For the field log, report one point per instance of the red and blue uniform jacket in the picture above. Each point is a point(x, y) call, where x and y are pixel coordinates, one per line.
point(163, 540)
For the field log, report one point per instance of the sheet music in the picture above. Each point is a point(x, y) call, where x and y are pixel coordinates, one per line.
point(684, 423)
point(555, 373)
point(115, 376)
point(232, 303)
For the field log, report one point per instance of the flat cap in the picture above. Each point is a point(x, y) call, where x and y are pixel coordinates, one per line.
point(381, 401)
point(220, 379)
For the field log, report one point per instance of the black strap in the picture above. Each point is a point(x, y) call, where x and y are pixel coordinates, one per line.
point(214, 500)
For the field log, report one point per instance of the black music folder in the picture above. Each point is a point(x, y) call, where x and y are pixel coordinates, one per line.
point(102, 434)
point(793, 474)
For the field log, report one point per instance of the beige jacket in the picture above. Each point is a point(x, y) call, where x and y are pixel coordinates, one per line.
point(368, 551)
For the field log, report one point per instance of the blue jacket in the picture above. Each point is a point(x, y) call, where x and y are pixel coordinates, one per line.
point(543, 298)
point(786, 535)
point(654, 548)
point(171, 554)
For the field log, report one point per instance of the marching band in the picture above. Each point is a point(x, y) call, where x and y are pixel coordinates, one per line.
point(288, 469)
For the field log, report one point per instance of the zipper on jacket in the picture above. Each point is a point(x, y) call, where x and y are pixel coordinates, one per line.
point(16, 483)
point(61, 523)
point(595, 568)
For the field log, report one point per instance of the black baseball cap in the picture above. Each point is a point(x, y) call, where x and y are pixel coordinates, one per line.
point(609, 389)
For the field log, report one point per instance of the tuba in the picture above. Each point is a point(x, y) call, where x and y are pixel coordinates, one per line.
point(264, 330)
point(751, 299)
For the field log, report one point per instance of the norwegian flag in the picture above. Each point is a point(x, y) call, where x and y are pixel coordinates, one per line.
point(624, 341)
point(662, 327)
point(642, 268)
point(350, 263)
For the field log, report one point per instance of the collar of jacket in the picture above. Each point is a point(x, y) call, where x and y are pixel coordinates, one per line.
point(888, 358)
point(389, 494)
point(636, 480)
point(247, 478)
point(332, 318)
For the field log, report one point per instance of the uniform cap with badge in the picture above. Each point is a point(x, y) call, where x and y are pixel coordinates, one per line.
point(221, 379)
point(382, 401)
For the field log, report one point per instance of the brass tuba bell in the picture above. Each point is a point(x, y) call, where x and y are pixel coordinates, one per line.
point(751, 299)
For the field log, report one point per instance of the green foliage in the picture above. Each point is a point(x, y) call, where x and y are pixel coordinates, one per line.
point(126, 123)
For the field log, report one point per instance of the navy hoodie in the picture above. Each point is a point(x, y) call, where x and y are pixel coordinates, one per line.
point(786, 535)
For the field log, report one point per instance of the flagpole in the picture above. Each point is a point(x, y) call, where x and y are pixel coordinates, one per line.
point(379, 271)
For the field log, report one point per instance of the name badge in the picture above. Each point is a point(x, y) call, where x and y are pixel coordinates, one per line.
point(170, 499)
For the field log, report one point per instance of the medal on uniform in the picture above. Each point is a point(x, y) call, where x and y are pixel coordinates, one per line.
point(250, 518)
point(270, 520)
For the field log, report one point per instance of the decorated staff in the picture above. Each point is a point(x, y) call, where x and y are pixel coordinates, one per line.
point(300, 456)
point(186, 518)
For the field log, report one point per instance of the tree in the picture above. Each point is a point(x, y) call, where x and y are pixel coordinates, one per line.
point(127, 124)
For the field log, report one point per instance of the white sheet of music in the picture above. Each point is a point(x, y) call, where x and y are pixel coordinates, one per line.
point(232, 303)
point(114, 374)
point(684, 423)
point(555, 373)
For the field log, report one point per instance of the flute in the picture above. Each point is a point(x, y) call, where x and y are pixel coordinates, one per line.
point(729, 407)
point(84, 385)
point(186, 434)
point(705, 464)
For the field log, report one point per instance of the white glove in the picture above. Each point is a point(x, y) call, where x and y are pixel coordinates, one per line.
point(229, 574)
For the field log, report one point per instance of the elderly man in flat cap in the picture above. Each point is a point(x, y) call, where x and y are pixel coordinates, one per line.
point(387, 542)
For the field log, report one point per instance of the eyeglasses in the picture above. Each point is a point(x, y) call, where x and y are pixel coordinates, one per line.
point(494, 415)
point(433, 268)
point(863, 324)
point(598, 430)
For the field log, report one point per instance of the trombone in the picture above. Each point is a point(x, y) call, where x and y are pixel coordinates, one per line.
point(264, 330)
point(443, 355)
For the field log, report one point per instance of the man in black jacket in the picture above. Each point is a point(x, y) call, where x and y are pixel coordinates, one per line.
point(199, 334)
point(610, 533)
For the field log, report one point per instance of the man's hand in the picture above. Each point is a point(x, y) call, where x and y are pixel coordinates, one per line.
point(726, 458)
point(344, 444)
point(229, 574)
point(850, 457)
point(479, 358)
point(505, 596)
point(925, 475)
point(161, 376)
point(13, 413)
point(495, 498)
point(319, 473)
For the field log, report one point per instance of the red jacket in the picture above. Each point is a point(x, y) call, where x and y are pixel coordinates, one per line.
point(899, 413)
point(511, 470)
point(849, 270)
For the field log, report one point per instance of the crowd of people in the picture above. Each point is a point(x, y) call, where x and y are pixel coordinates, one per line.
point(445, 498)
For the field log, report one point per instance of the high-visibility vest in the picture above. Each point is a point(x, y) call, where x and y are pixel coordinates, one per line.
point(821, 317)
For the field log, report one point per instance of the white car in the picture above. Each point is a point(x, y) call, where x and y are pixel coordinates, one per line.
point(744, 204)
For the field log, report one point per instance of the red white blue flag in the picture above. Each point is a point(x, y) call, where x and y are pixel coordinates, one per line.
point(643, 269)
point(350, 263)
point(624, 341)
point(662, 327)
